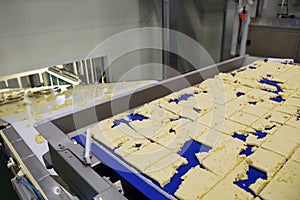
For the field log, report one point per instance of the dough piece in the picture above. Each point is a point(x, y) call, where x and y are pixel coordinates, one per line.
point(24, 118)
point(280, 145)
point(38, 118)
point(131, 146)
point(154, 112)
point(288, 132)
point(255, 110)
point(224, 111)
point(243, 118)
point(173, 141)
point(172, 107)
point(192, 129)
point(210, 119)
point(266, 161)
point(115, 136)
point(275, 116)
point(138, 125)
point(238, 104)
point(263, 125)
point(294, 121)
point(155, 130)
point(201, 156)
point(177, 123)
point(196, 183)
point(266, 103)
point(223, 159)
point(296, 156)
point(256, 94)
point(285, 108)
point(230, 127)
point(39, 139)
point(285, 184)
point(258, 185)
point(212, 138)
point(189, 113)
point(147, 156)
point(253, 140)
point(226, 189)
point(163, 170)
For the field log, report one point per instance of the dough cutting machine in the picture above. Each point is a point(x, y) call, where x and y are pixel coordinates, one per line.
point(107, 176)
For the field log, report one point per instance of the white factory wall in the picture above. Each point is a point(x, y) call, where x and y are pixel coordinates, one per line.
point(35, 34)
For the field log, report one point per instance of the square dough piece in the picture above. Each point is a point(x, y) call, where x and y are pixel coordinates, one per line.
point(256, 110)
point(285, 184)
point(230, 127)
point(279, 117)
point(263, 124)
point(210, 119)
point(296, 156)
point(212, 138)
point(253, 140)
point(294, 122)
point(196, 182)
point(285, 108)
point(226, 189)
point(192, 129)
point(266, 161)
point(223, 159)
point(115, 136)
point(237, 104)
point(189, 113)
point(131, 146)
point(293, 101)
point(224, 111)
point(147, 156)
point(258, 185)
point(289, 132)
point(280, 145)
point(244, 118)
point(163, 170)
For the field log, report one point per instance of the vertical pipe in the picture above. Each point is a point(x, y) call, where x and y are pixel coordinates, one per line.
point(259, 8)
point(92, 71)
point(244, 36)
point(86, 72)
point(75, 68)
point(41, 78)
point(6, 83)
point(165, 36)
point(223, 31)
point(19, 82)
point(51, 81)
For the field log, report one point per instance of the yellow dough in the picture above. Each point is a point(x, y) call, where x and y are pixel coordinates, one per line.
point(226, 189)
point(163, 170)
point(39, 139)
point(223, 159)
point(196, 182)
point(266, 161)
point(147, 156)
point(280, 145)
point(243, 118)
point(131, 146)
point(275, 116)
point(152, 145)
point(230, 127)
point(296, 156)
point(285, 184)
point(258, 185)
point(255, 110)
point(288, 132)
